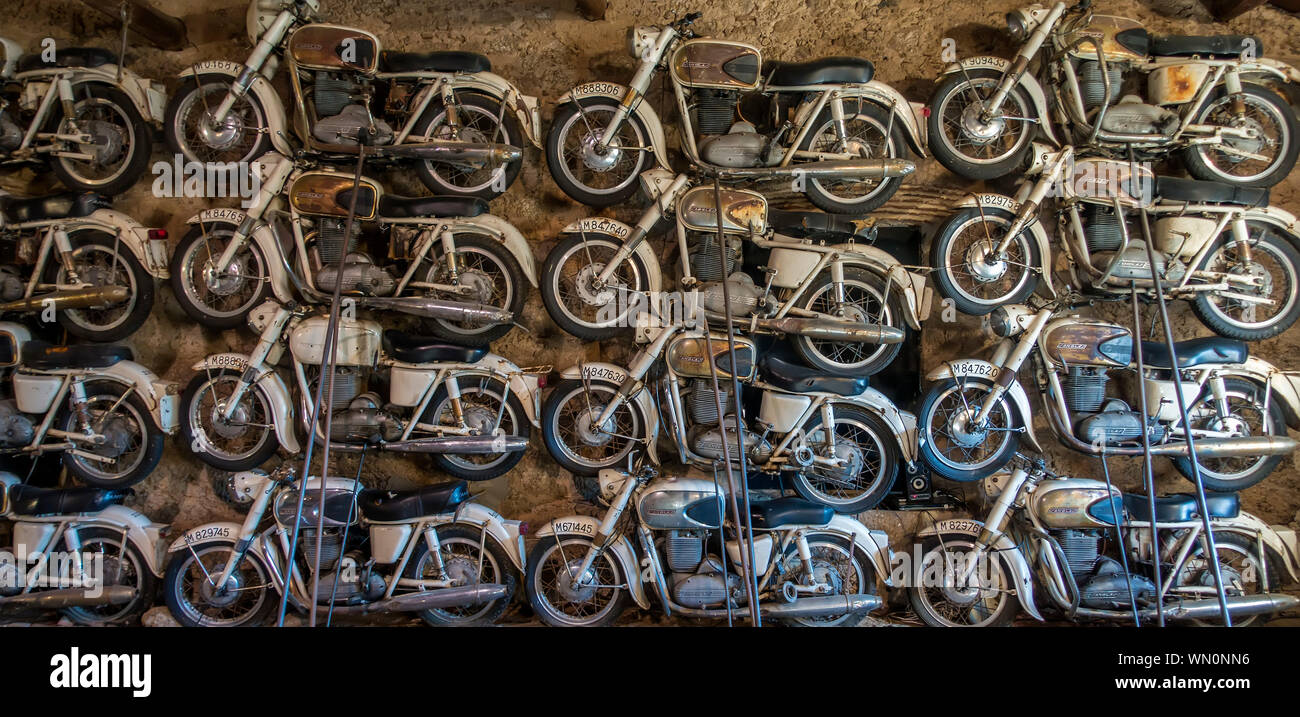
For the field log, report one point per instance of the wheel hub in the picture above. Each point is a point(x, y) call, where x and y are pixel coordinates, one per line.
point(461, 569)
point(480, 419)
point(590, 289)
point(984, 263)
point(227, 282)
point(220, 135)
point(477, 286)
point(1233, 425)
point(977, 128)
point(1258, 275)
point(109, 140)
point(575, 593)
point(1252, 144)
point(233, 428)
point(229, 592)
point(964, 429)
point(591, 434)
point(597, 160)
point(851, 457)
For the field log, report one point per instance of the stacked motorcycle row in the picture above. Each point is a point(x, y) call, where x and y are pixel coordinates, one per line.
point(761, 367)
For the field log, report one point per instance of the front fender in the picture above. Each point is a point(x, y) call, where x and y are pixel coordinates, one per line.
point(585, 526)
point(909, 114)
point(987, 372)
point(1027, 81)
point(525, 107)
point(1004, 548)
point(264, 238)
point(1036, 229)
point(916, 292)
point(508, 235)
point(276, 118)
point(146, 534)
point(152, 254)
point(620, 231)
point(271, 386)
point(643, 112)
point(159, 395)
point(206, 533)
point(616, 375)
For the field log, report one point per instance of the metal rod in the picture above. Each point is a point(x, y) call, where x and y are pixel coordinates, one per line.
point(338, 569)
point(1119, 540)
point(1148, 474)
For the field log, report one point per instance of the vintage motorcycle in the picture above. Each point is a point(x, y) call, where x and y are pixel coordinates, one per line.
point(1205, 97)
point(461, 124)
point(458, 268)
point(827, 123)
point(90, 267)
point(813, 567)
point(430, 551)
point(471, 410)
point(90, 116)
point(1219, 246)
point(105, 413)
point(1090, 548)
point(599, 414)
point(845, 305)
point(1239, 406)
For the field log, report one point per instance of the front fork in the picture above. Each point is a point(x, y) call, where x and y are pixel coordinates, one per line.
point(265, 46)
point(256, 360)
point(642, 229)
point(1026, 54)
point(247, 533)
point(604, 532)
point(1007, 373)
point(269, 189)
point(994, 524)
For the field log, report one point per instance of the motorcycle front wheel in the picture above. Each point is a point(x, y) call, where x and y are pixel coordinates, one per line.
point(864, 303)
point(868, 446)
point(576, 304)
point(132, 445)
point(484, 265)
point(121, 147)
point(242, 137)
point(986, 599)
point(833, 563)
point(194, 600)
point(569, 428)
point(217, 299)
point(100, 260)
point(967, 270)
point(950, 446)
point(967, 145)
point(1246, 417)
point(1274, 259)
point(1267, 114)
point(871, 133)
point(595, 178)
point(463, 561)
point(242, 443)
point(552, 563)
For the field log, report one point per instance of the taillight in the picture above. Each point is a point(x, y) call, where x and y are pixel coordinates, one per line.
point(523, 528)
point(158, 235)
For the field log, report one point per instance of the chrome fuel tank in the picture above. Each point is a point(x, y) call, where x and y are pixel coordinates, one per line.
point(680, 504)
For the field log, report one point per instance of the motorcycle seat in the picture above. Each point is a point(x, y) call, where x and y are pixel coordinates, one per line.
point(393, 505)
point(1204, 45)
point(447, 61)
point(398, 207)
point(19, 210)
point(68, 57)
point(31, 500)
point(44, 356)
point(791, 376)
point(788, 511)
point(1194, 352)
point(427, 349)
point(826, 71)
point(1177, 189)
point(801, 224)
point(1181, 507)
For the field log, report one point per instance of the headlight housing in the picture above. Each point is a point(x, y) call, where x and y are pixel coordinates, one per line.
point(1024, 21)
point(641, 39)
point(1009, 319)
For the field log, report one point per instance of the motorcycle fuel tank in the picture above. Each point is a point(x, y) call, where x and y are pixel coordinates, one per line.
point(1105, 30)
point(323, 194)
point(681, 504)
point(357, 344)
point(688, 356)
point(716, 64)
point(741, 209)
point(1073, 341)
point(334, 47)
point(1076, 503)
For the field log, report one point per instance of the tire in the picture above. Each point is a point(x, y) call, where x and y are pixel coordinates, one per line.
point(1283, 278)
point(227, 305)
point(121, 109)
point(543, 562)
point(922, 598)
point(497, 568)
point(569, 119)
point(441, 177)
point(557, 408)
point(116, 573)
point(1224, 475)
point(135, 428)
point(99, 264)
point(1236, 581)
point(631, 281)
point(195, 402)
point(467, 466)
point(1003, 159)
point(944, 395)
point(880, 449)
point(489, 257)
point(867, 305)
point(893, 145)
point(186, 108)
point(179, 577)
point(1198, 158)
point(961, 242)
point(838, 563)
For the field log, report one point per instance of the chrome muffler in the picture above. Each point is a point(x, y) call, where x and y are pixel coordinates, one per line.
point(832, 330)
point(459, 444)
point(1205, 609)
point(1229, 447)
point(70, 597)
point(455, 151)
point(459, 311)
point(430, 599)
point(828, 169)
point(824, 606)
point(90, 297)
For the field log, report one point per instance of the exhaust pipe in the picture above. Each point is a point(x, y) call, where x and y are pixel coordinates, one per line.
point(459, 444)
point(439, 309)
point(827, 606)
point(1229, 447)
point(451, 150)
point(1206, 609)
point(70, 597)
point(429, 599)
point(91, 297)
point(833, 330)
point(829, 169)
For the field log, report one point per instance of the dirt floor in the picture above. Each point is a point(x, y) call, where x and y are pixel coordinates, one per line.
point(545, 48)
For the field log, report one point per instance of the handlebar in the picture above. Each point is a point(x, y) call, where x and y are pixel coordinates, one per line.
point(1082, 6)
point(682, 24)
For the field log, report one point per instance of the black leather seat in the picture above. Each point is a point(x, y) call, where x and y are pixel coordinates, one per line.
point(1181, 507)
point(1194, 352)
point(448, 61)
point(391, 505)
point(1205, 45)
point(30, 500)
point(18, 210)
point(1177, 189)
point(398, 207)
point(49, 357)
point(68, 57)
point(801, 224)
point(788, 511)
point(826, 71)
point(791, 376)
point(427, 349)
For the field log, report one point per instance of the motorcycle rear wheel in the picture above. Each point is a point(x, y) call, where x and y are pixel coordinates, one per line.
point(1240, 567)
point(869, 124)
point(101, 260)
point(123, 564)
point(864, 294)
point(128, 422)
point(873, 455)
point(1281, 262)
point(558, 605)
point(114, 108)
point(1246, 405)
point(478, 116)
point(460, 553)
point(480, 402)
point(836, 564)
point(500, 282)
point(1269, 108)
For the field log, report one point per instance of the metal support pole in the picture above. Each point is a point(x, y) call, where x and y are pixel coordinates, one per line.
point(352, 507)
point(1118, 513)
point(1148, 474)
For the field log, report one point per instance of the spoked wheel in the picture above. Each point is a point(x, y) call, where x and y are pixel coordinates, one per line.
point(954, 442)
point(243, 441)
point(194, 598)
point(969, 270)
point(945, 599)
point(577, 300)
point(1274, 264)
point(1245, 417)
point(466, 564)
point(120, 146)
point(868, 135)
point(131, 447)
point(967, 142)
point(573, 432)
point(101, 261)
point(863, 303)
point(833, 563)
point(480, 405)
point(477, 116)
point(1261, 160)
point(188, 124)
point(870, 455)
point(217, 298)
point(1241, 567)
point(553, 565)
point(119, 563)
point(595, 176)
point(491, 276)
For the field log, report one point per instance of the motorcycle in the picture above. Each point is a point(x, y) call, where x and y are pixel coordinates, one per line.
point(105, 413)
point(79, 551)
point(461, 124)
point(1238, 406)
point(826, 123)
point(813, 567)
point(1205, 98)
point(92, 268)
point(469, 409)
point(429, 551)
point(1090, 548)
point(599, 413)
point(1219, 246)
point(455, 266)
point(89, 115)
point(846, 305)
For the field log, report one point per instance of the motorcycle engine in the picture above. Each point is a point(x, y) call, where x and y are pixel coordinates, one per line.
point(16, 429)
point(360, 274)
point(355, 581)
point(340, 119)
point(697, 580)
point(747, 298)
point(11, 286)
point(364, 421)
point(1126, 114)
point(724, 140)
point(708, 443)
point(1100, 420)
point(1100, 578)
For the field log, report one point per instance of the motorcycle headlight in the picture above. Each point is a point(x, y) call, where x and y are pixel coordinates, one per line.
point(641, 39)
point(1009, 319)
point(1018, 25)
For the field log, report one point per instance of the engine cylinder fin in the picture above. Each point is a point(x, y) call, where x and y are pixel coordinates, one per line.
point(1085, 389)
point(714, 110)
point(1101, 228)
point(1091, 85)
point(1081, 550)
point(330, 94)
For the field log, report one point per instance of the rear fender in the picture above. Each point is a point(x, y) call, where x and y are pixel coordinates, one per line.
point(152, 255)
point(505, 532)
point(144, 533)
point(504, 232)
point(874, 543)
point(916, 297)
point(909, 114)
point(159, 395)
point(901, 423)
point(526, 108)
point(1284, 386)
point(1251, 527)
